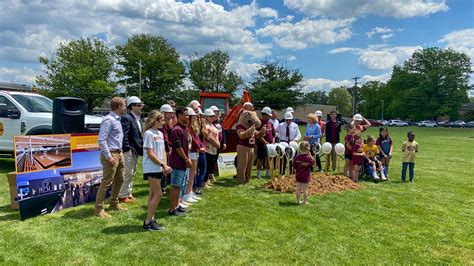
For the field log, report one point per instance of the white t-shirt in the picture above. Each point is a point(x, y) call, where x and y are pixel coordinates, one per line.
point(153, 139)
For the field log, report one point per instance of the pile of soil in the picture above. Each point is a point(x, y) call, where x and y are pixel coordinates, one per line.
point(321, 183)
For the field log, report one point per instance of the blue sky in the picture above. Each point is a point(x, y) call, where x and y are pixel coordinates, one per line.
point(329, 41)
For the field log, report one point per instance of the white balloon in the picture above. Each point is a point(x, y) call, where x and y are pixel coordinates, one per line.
point(339, 148)
point(327, 147)
point(271, 150)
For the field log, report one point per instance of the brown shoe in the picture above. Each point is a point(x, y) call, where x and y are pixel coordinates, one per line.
point(132, 198)
point(102, 214)
point(117, 208)
point(127, 200)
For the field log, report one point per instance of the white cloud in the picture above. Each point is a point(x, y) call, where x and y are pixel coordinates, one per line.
point(378, 30)
point(380, 57)
point(198, 26)
point(308, 32)
point(389, 8)
point(244, 70)
point(18, 75)
point(387, 36)
point(323, 84)
point(462, 41)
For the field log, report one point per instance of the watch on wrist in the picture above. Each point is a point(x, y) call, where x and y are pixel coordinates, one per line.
point(162, 165)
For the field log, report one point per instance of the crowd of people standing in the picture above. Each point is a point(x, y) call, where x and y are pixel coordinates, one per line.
point(181, 145)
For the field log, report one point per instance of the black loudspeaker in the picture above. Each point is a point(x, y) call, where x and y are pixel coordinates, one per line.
point(68, 115)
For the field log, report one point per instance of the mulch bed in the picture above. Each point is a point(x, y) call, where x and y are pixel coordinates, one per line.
point(321, 183)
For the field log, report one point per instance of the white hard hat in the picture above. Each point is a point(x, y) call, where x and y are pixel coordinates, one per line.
point(357, 117)
point(195, 102)
point(214, 108)
point(288, 115)
point(318, 113)
point(209, 112)
point(248, 104)
point(191, 111)
point(132, 100)
point(200, 111)
point(166, 108)
point(290, 109)
point(267, 110)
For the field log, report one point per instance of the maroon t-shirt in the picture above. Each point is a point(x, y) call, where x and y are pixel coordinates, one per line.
point(244, 142)
point(179, 138)
point(270, 131)
point(196, 143)
point(357, 159)
point(303, 173)
point(166, 130)
point(348, 142)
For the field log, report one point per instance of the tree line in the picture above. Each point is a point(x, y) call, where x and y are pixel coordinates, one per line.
point(432, 83)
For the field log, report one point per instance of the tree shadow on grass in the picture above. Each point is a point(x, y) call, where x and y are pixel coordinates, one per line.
point(8, 214)
point(82, 213)
point(226, 183)
point(288, 204)
point(123, 229)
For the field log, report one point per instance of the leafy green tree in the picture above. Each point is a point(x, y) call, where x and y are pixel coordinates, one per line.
point(184, 96)
point(210, 73)
point(432, 83)
point(316, 97)
point(372, 94)
point(276, 86)
point(80, 68)
point(341, 99)
point(161, 71)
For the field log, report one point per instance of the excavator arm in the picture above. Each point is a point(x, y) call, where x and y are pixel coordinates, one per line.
point(233, 116)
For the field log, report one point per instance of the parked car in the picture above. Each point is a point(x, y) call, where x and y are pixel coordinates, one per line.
point(375, 123)
point(397, 123)
point(469, 124)
point(427, 123)
point(383, 122)
point(458, 123)
point(442, 123)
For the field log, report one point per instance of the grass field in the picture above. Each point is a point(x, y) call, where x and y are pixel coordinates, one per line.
point(430, 221)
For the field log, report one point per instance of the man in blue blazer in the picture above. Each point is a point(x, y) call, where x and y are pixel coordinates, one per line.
point(132, 146)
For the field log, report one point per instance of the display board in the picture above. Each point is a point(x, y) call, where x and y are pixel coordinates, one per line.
point(51, 189)
point(225, 164)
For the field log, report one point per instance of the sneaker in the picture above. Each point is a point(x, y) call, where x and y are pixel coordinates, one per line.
point(384, 178)
point(190, 199)
point(194, 196)
point(185, 204)
point(182, 210)
point(152, 226)
point(176, 213)
point(376, 177)
point(102, 214)
point(198, 192)
point(412, 181)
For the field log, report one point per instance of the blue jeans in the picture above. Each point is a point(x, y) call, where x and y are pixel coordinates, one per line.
point(179, 178)
point(411, 167)
point(201, 171)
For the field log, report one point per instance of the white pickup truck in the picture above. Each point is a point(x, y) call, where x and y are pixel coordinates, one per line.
point(28, 113)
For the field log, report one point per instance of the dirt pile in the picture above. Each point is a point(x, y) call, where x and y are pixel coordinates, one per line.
point(320, 184)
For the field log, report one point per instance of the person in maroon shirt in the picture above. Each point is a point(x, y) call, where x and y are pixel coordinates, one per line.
point(333, 129)
point(348, 142)
point(169, 113)
point(302, 164)
point(180, 162)
point(357, 156)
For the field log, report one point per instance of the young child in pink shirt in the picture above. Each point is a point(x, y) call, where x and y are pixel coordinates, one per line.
point(302, 165)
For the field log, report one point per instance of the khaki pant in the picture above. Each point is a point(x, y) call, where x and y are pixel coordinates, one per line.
point(112, 175)
point(130, 163)
point(244, 163)
point(331, 157)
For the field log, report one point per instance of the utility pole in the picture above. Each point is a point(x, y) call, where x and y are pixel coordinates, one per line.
point(383, 102)
point(353, 94)
point(140, 79)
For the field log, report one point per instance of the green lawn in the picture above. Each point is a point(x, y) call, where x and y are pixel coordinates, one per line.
point(430, 221)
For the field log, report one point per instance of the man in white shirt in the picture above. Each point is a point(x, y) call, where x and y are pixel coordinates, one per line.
point(276, 123)
point(288, 131)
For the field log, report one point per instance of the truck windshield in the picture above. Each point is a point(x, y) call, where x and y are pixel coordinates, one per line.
point(34, 103)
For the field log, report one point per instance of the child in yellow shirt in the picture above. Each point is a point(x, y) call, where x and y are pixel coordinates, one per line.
point(371, 152)
point(409, 148)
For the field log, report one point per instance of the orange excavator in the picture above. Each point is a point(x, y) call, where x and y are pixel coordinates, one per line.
point(230, 117)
